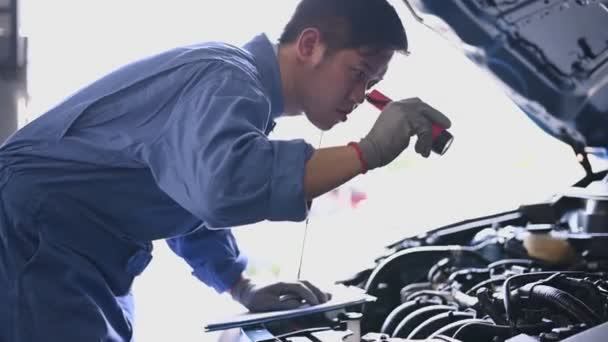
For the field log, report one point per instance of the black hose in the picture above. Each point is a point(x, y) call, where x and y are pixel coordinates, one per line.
point(572, 306)
point(413, 287)
point(534, 277)
point(486, 331)
point(400, 312)
point(593, 298)
point(451, 328)
point(428, 327)
point(411, 321)
point(498, 279)
point(443, 295)
point(443, 338)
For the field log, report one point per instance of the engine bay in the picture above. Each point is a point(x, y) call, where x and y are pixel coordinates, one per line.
point(538, 273)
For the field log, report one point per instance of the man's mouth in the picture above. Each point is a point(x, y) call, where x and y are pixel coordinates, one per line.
point(344, 114)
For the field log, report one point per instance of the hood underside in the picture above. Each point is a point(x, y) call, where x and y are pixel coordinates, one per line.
point(550, 55)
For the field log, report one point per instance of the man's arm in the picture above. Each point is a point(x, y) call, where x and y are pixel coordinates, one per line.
point(214, 256)
point(214, 159)
point(329, 168)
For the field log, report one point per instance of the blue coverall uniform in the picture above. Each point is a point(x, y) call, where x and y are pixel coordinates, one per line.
point(171, 147)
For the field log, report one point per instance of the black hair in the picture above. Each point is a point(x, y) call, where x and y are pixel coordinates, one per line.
point(349, 24)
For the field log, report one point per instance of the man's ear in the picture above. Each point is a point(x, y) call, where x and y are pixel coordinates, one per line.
point(310, 48)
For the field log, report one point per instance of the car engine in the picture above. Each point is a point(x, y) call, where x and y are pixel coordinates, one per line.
point(537, 272)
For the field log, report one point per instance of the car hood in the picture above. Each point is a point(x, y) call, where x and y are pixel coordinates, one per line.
point(551, 57)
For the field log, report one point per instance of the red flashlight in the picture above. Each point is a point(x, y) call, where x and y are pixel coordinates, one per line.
point(442, 139)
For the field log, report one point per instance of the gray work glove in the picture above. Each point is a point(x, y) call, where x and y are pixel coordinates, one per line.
point(277, 296)
point(397, 123)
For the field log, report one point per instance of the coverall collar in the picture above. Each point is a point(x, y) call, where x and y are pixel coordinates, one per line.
point(268, 65)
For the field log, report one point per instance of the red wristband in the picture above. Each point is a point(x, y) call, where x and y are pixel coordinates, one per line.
point(360, 155)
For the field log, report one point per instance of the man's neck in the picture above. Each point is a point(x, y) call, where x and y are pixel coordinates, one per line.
point(287, 66)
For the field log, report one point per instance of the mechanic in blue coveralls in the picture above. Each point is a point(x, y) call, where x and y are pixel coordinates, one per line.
point(175, 147)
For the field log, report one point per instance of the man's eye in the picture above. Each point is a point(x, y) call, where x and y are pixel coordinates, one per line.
point(359, 74)
point(371, 83)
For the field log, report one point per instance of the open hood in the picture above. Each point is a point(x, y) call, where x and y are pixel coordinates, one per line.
point(551, 56)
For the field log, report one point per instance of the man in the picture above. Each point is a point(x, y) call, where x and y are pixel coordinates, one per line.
point(175, 147)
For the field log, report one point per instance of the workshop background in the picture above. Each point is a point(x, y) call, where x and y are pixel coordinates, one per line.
point(52, 48)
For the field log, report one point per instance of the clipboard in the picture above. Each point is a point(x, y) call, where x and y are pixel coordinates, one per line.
point(342, 297)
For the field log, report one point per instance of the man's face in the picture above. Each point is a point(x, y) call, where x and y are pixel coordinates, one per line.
point(337, 84)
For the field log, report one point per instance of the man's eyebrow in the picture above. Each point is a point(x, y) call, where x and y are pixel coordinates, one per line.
point(367, 66)
point(380, 74)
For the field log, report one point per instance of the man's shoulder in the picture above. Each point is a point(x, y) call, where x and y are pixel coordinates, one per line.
point(227, 58)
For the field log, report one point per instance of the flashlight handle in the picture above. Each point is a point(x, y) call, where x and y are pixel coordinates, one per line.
point(379, 100)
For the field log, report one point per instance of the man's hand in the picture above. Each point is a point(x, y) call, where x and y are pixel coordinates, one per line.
point(331, 167)
point(397, 123)
point(277, 296)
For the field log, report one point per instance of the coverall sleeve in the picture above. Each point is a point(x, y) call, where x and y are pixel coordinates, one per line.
point(214, 159)
point(213, 255)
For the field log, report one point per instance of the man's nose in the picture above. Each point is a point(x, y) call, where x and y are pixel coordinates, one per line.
point(358, 95)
